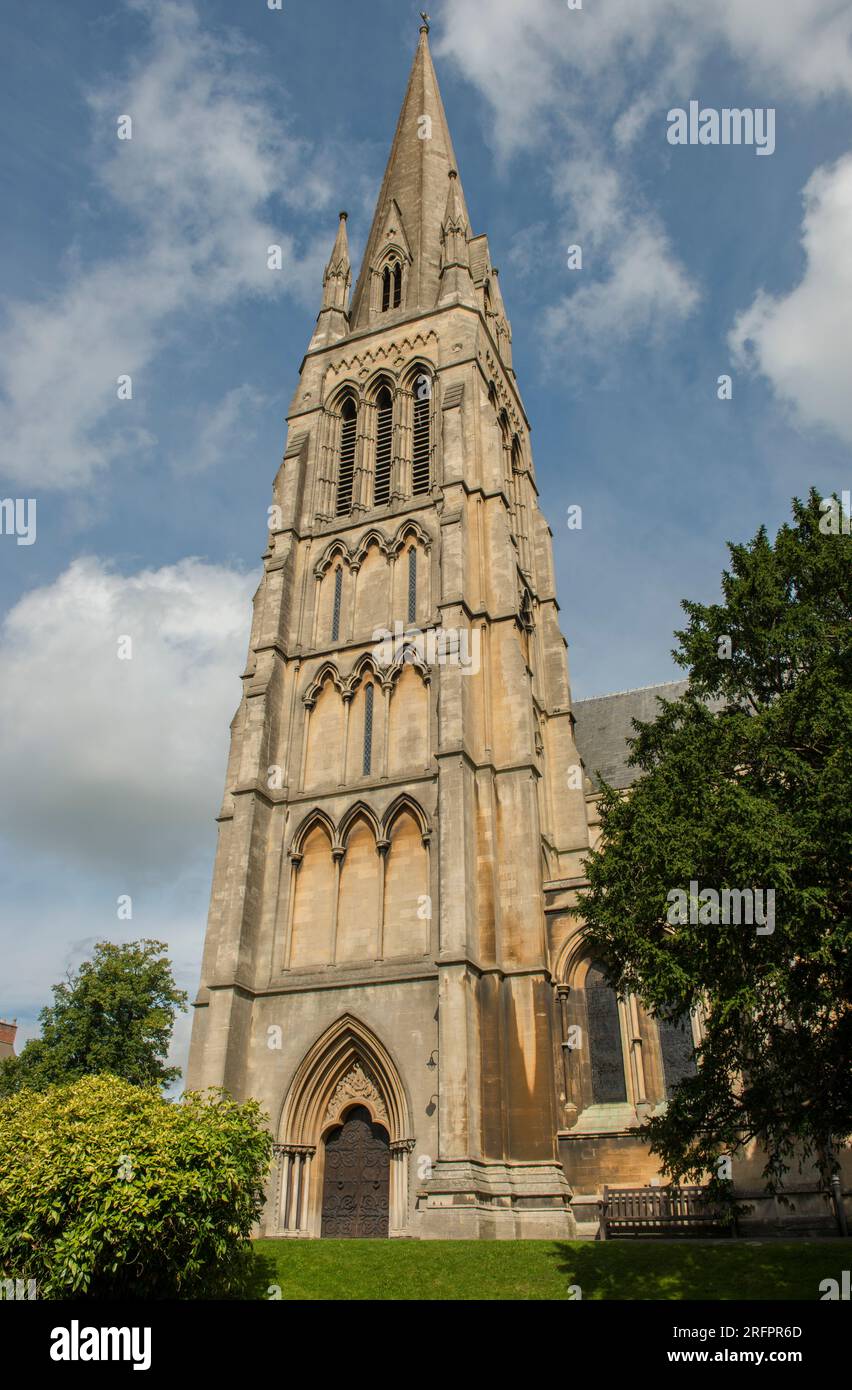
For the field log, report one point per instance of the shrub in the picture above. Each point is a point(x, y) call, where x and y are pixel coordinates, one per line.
point(109, 1191)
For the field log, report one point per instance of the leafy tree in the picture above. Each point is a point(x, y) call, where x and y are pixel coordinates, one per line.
point(109, 1191)
point(115, 1014)
point(747, 783)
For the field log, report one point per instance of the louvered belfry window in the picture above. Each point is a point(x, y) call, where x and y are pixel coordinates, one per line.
point(412, 585)
point(397, 285)
point(368, 730)
point(338, 594)
point(346, 467)
point(420, 473)
point(384, 448)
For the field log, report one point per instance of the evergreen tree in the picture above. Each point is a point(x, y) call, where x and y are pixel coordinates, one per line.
point(747, 783)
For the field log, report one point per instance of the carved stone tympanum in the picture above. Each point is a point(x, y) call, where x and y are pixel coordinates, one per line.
point(357, 1086)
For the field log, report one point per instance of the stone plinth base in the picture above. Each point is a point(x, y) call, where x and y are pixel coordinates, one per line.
point(465, 1200)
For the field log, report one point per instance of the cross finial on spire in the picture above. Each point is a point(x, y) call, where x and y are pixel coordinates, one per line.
point(425, 17)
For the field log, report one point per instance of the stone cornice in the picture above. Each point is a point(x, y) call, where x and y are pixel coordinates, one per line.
point(502, 972)
point(376, 330)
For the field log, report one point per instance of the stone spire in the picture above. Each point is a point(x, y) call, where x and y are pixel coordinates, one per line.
point(333, 317)
point(410, 211)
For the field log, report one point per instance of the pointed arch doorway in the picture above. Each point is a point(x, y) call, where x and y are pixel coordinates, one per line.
point(345, 1140)
point(356, 1179)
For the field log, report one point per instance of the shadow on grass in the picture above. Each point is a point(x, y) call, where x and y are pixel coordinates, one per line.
point(261, 1274)
point(686, 1270)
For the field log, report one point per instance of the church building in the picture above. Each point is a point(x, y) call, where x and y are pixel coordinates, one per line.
point(392, 967)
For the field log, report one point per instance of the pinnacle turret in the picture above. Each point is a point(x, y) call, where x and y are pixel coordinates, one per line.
point(500, 327)
point(333, 318)
point(456, 281)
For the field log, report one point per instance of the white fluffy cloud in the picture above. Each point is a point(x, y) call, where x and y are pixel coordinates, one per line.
point(643, 291)
point(592, 78)
point(120, 763)
point(539, 60)
point(198, 181)
point(803, 45)
point(802, 341)
point(632, 281)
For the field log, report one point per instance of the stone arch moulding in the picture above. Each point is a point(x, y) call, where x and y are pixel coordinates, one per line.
point(346, 1066)
point(359, 811)
point(418, 367)
point(410, 530)
point(379, 377)
point(374, 536)
point(407, 655)
point(308, 824)
point(338, 394)
point(572, 955)
point(337, 550)
point(327, 672)
point(401, 804)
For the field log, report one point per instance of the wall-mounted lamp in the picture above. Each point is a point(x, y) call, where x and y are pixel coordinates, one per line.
point(433, 1059)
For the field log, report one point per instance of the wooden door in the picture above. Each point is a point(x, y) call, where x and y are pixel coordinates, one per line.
point(356, 1182)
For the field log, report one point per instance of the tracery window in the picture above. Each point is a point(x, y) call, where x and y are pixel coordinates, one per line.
point(604, 1034)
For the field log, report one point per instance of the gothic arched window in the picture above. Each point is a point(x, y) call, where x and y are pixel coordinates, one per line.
point(604, 1036)
point(506, 441)
point(384, 448)
point(391, 286)
point(338, 595)
point(412, 585)
point(368, 730)
point(346, 463)
point(421, 479)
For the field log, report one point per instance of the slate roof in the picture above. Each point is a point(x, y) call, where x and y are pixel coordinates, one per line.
point(603, 726)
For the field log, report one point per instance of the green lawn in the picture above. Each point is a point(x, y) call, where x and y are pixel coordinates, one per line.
point(544, 1269)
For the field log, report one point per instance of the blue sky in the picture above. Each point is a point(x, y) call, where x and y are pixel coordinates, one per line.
point(148, 257)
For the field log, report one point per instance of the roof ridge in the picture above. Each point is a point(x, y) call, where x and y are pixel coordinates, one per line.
point(631, 690)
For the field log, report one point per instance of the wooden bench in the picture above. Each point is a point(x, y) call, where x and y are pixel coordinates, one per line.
point(638, 1211)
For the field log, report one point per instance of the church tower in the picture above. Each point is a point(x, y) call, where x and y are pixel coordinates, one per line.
point(403, 789)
